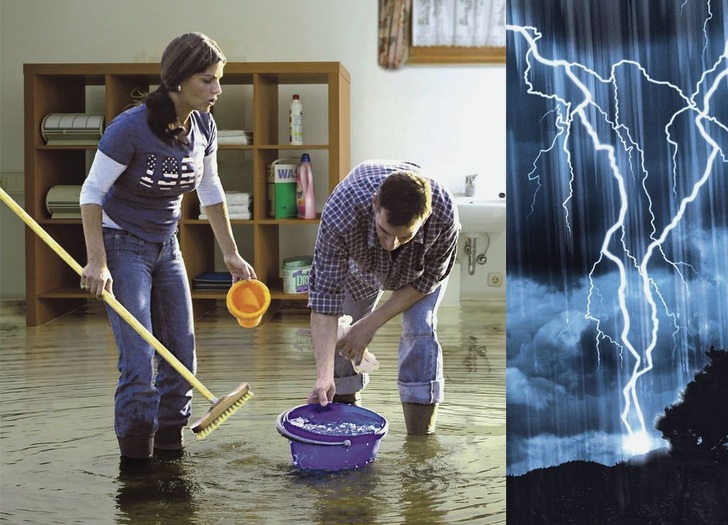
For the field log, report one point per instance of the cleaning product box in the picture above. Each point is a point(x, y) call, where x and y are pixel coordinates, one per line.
point(295, 272)
point(282, 188)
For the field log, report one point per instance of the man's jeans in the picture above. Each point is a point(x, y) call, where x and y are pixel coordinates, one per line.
point(420, 377)
point(150, 280)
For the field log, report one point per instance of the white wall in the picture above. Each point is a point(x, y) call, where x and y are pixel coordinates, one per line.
point(450, 119)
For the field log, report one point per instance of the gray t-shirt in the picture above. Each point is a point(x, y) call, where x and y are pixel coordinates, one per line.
point(139, 180)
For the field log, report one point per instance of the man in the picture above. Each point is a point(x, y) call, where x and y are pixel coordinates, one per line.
point(385, 227)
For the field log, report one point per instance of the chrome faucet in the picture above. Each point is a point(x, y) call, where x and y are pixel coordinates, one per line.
point(470, 185)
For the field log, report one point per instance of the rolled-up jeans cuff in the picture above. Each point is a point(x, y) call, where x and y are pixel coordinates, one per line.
point(422, 393)
point(351, 384)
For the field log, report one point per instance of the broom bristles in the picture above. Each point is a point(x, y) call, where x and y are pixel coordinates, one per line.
point(221, 410)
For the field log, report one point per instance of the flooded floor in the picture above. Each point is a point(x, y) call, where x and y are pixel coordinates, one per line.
point(59, 461)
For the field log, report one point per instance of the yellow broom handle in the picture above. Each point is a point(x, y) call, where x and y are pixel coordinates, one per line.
point(110, 299)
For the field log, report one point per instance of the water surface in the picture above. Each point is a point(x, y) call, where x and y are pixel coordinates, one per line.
point(59, 456)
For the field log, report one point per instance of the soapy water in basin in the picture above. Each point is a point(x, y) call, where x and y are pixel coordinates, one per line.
point(334, 428)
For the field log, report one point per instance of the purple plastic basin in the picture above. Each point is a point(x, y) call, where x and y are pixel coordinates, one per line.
point(335, 437)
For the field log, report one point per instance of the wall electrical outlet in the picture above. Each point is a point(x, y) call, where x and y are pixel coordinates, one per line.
point(495, 279)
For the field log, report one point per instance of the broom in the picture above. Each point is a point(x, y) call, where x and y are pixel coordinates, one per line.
point(221, 408)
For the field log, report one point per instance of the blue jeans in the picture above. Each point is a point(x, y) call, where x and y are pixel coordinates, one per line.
point(420, 374)
point(151, 282)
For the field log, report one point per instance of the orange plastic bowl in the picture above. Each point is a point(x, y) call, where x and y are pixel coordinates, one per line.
point(247, 301)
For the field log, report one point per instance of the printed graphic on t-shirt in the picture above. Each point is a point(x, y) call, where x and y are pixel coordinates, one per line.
point(172, 173)
point(187, 176)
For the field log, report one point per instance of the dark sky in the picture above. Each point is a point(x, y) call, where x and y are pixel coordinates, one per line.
point(596, 35)
point(617, 217)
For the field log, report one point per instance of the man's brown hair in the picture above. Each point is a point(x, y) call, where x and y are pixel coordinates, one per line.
point(406, 196)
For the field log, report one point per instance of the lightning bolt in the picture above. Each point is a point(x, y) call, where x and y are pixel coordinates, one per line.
point(582, 109)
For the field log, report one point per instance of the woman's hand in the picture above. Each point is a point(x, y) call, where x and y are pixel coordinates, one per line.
point(239, 268)
point(95, 279)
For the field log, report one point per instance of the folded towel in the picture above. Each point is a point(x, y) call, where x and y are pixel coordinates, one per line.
point(234, 136)
point(237, 197)
point(238, 215)
point(238, 208)
point(239, 202)
point(237, 141)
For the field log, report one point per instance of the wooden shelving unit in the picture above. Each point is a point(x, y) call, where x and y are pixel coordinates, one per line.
point(51, 286)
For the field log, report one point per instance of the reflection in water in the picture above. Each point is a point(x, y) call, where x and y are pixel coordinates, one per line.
point(59, 459)
point(341, 497)
point(425, 479)
point(158, 489)
point(477, 356)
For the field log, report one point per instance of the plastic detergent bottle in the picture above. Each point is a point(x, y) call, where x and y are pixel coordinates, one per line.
point(295, 121)
point(305, 196)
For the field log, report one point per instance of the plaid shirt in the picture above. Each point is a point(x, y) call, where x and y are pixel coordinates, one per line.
point(348, 255)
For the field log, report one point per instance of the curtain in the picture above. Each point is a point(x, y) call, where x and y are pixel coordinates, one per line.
point(466, 23)
point(394, 28)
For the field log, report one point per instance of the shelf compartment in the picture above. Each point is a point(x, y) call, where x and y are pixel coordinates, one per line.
point(66, 292)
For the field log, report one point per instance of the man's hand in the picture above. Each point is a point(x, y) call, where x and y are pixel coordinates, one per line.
point(322, 392)
point(356, 340)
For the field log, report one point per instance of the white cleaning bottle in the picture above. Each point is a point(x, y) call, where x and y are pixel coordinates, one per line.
point(305, 195)
point(295, 121)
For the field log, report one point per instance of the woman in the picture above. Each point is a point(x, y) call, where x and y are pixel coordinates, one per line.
point(148, 157)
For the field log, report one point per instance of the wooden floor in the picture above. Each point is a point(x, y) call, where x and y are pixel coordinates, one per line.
point(59, 459)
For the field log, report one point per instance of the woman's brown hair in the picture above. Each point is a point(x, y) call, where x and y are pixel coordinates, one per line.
point(184, 56)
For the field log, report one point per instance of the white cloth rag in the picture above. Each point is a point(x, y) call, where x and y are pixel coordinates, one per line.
point(369, 362)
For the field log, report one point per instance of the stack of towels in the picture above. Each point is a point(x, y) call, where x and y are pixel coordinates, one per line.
point(234, 137)
point(239, 205)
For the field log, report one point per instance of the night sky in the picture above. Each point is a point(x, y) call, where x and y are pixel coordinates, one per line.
point(617, 248)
